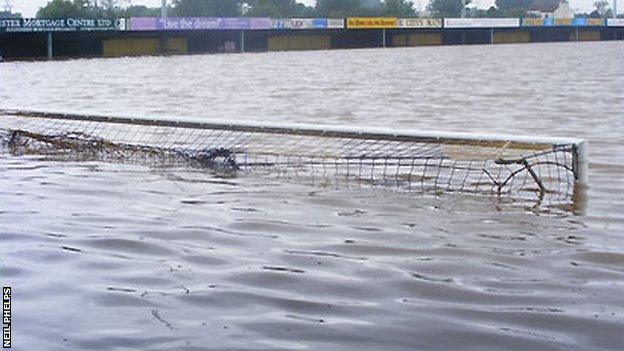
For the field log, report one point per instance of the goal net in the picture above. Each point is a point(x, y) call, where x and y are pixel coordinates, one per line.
point(517, 166)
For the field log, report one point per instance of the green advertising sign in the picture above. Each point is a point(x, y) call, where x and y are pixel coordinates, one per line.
point(12, 25)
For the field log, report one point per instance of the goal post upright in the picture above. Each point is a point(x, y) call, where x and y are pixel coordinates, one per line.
point(582, 164)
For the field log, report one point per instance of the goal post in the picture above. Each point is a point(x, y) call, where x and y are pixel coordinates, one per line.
point(413, 160)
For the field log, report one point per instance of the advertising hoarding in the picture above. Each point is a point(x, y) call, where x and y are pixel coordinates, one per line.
point(532, 22)
point(615, 22)
point(579, 22)
point(562, 21)
point(481, 22)
point(371, 22)
point(259, 23)
point(198, 23)
point(280, 23)
point(61, 25)
point(600, 22)
point(306, 23)
point(419, 23)
point(335, 23)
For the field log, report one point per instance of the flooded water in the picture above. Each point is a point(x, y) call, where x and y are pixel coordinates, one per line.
point(117, 256)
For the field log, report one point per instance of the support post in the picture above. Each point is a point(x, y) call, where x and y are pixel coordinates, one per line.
point(492, 36)
point(582, 164)
point(383, 37)
point(162, 44)
point(242, 41)
point(577, 33)
point(50, 46)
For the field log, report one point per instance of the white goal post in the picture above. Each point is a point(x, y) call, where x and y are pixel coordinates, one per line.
point(424, 160)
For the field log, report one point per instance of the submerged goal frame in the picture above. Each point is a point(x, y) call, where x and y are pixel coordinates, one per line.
point(577, 147)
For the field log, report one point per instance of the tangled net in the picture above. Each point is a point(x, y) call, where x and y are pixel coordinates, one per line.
point(84, 146)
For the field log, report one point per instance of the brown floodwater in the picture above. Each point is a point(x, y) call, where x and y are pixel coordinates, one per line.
point(105, 255)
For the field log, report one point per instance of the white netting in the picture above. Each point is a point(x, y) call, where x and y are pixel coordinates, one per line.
point(428, 163)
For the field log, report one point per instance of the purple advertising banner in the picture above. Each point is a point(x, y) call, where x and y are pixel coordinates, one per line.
point(259, 23)
point(143, 23)
point(198, 23)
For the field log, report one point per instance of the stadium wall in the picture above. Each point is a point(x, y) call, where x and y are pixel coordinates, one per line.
point(40, 39)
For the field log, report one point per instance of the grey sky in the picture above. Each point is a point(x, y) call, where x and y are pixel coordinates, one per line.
point(28, 8)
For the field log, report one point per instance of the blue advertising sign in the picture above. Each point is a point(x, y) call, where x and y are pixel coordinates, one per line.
point(303, 23)
point(319, 22)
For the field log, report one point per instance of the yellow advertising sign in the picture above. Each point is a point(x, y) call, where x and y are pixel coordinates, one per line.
point(595, 21)
point(371, 22)
point(532, 22)
point(562, 21)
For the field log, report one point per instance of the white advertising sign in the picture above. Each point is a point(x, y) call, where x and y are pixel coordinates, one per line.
point(615, 22)
point(305, 23)
point(481, 22)
point(419, 23)
point(335, 23)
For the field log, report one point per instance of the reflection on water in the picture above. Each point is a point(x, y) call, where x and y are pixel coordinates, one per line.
point(145, 258)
